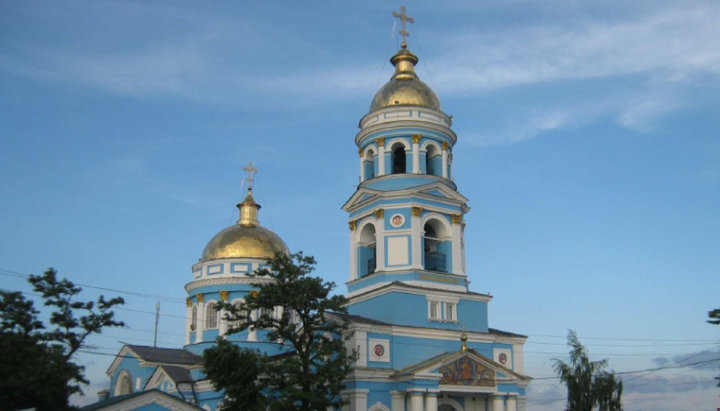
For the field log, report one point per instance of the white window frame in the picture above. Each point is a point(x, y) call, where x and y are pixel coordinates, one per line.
point(450, 312)
point(211, 325)
point(443, 310)
point(434, 310)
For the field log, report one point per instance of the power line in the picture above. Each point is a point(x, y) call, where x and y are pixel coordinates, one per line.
point(10, 273)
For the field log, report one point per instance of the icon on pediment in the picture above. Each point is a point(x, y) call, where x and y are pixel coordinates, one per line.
point(467, 371)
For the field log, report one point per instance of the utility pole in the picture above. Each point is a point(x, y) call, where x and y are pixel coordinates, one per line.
point(157, 317)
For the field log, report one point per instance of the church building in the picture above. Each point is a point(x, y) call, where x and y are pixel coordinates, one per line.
point(423, 338)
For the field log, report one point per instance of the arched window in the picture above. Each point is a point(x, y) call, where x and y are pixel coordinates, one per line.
point(398, 159)
point(369, 164)
point(123, 385)
point(367, 257)
point(193, 318)
point(211, 315)
point(435, 257)
point(433, 161)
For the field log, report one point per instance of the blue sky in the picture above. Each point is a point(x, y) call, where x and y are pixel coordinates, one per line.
point(588, 145)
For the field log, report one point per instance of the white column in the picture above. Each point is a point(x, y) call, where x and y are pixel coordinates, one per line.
point(457, 249)
point(416, 234)
point(416, 153)
point(511, 404)
point(381, 155)
point(498, 403)
point(252, 331)
point(445, 147)
point(188, 319)
point(223, 326)
point(200, 318)
point(416, 400)
point(362, 168)
point(353, 251)
point(398, 400)
point(431, 400)
point(380, 240)
point(358, 399)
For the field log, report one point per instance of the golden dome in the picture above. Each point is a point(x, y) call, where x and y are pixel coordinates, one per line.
point(246, 239)
point(405, 88)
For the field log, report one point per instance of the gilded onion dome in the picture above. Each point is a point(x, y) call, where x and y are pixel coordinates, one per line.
point(247, 238)
point(405, 88)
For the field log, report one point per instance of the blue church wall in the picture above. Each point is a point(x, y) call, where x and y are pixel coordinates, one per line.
point(399, 183)
point(423, 165)
point(436, 166)
point(131, 364)
point(211, 334)
point(365, 257)
point(408, 161)
point(396, 307)
point(474, 315)
point(369, 169)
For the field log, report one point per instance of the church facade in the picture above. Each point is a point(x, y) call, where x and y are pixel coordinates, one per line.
point(423, 338)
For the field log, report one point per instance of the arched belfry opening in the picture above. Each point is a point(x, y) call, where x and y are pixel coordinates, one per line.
point(366, 252)
point(369, 164)
point(398, 159)
point(436, 251)
point(433, 161)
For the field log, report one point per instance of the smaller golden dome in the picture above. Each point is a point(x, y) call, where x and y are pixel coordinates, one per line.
point(405, 88)
point(246, 239)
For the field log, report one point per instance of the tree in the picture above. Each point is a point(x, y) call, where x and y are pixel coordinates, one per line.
point(588, 384)
point(37, 366)
point(295, 309)
point(715, 316)
point(236, 371)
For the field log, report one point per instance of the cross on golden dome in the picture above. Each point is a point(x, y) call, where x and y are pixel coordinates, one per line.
point(403, 18)
point(250, 175)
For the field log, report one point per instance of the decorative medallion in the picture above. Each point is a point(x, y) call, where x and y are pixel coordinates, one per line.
point(502, 358)
point(397, 220)
point(379, 350)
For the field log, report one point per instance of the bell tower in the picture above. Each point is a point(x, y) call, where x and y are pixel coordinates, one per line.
point(406, 217)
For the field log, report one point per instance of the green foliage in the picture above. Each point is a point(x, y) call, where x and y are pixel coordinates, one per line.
point(588, 384)
point(235, 370)
point(37, 369)
point(310, 376)
point(715, 316)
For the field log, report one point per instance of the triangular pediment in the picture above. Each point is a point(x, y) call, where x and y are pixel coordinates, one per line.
point(440, 190)
point(361, 197)
point(465, 367)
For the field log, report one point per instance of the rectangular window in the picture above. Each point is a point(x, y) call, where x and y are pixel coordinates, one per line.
point(434, 309)
point(450, 312)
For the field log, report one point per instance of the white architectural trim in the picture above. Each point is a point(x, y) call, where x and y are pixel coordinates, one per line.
point(378, 406)
point(402, 140)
